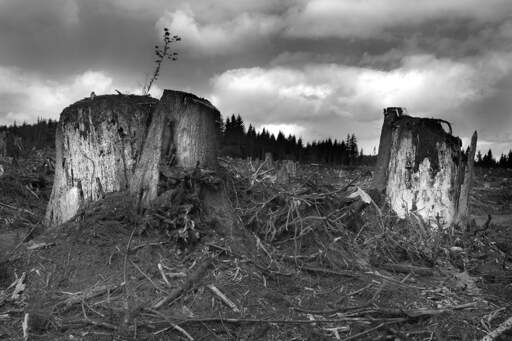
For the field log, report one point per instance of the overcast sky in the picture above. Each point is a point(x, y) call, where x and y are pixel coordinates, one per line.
point(315, 68)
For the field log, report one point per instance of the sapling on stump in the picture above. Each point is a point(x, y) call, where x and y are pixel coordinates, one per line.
point(98, 141)
point(422, 169)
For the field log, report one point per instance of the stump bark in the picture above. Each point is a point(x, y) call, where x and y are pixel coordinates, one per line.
point(98, 141)
point(183, 133)
point(422, 169)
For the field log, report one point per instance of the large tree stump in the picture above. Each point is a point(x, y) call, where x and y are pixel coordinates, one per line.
point(422, 169)
point(98, 142)
point(183, 133)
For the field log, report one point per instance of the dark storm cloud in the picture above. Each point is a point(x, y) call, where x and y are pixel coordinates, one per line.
point(314, 67)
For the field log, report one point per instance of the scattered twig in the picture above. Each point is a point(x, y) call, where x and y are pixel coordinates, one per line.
point(368, 331)
point(162, 273)
point(223, 298)
point(190, 281)
point(135, 248)
point(19, 287)
point(332, 272)
point(173, 325)
point(32, 192)
point(156, 286)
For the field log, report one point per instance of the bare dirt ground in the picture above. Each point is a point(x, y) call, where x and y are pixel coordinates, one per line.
point(310, 264)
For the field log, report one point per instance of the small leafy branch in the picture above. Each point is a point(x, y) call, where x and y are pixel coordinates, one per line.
point(161, 53)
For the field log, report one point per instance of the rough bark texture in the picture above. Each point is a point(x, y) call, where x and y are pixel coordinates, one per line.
point(381, 170)
point(98, 141)
point(422, 169)
point(182, 133)
point(467, 182)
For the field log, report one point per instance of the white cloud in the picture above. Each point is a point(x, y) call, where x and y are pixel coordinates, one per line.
point(286, 129)
point(35, 97)
point(222, 37)
point(333, 99)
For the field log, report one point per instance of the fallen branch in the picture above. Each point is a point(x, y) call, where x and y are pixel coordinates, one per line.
point(87, 321)
point(17, 209)
point(282, 321)
point(87, 294)
point(41, 245)
point(190, 281)
point(503, 327)
point(389, 313)
point(406, 268)
point(414, 313)
point(368, 331)
point(331, 272)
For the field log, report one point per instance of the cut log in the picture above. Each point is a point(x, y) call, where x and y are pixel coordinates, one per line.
point(183, 133)
point(422, 169)
point(98, 142)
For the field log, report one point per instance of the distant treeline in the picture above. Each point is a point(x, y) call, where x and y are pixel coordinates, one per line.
point(237, 141)
point(39, 135)
point(488, 160)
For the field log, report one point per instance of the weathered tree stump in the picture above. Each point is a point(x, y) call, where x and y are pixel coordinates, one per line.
point(183, 133)
point(286, 171)
point(422, 169)
point(269, 160)
point(98, 142)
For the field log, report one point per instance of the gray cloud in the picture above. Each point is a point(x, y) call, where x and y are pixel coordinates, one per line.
point(315, 67)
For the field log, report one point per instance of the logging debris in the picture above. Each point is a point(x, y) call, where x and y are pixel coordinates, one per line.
point(323, 265)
